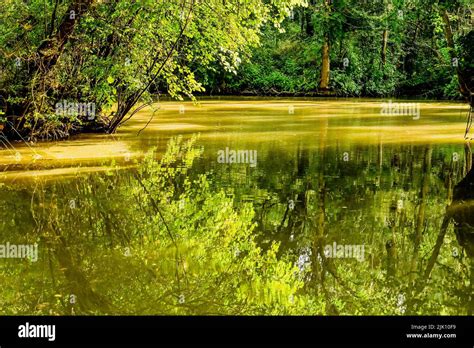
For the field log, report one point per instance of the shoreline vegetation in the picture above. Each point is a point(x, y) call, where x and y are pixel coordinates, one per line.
point(120, 57)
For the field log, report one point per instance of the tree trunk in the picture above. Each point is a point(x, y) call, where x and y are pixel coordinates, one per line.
point(50, 50)
point(46, 57)
point(309, 23)
point(324, 83)
point(384, 46)
point(420, 218)
point(462, 78)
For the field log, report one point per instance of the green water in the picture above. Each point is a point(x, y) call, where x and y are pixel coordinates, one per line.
point(118, 235)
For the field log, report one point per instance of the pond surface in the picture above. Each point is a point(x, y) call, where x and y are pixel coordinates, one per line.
point(307, 206)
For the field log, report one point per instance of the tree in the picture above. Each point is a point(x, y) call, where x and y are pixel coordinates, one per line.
point(116, 55)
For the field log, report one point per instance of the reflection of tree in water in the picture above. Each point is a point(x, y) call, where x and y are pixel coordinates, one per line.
point(462, 212)
point(334, 200)
point(394, 198)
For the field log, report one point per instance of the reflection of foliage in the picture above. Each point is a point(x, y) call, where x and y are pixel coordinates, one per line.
point(164, 239)
point(157, 243)
point(360, 207)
